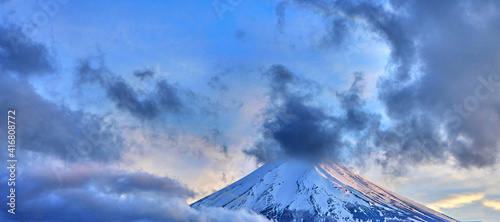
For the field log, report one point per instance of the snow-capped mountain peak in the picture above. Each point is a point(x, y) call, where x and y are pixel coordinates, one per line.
point(294, 190)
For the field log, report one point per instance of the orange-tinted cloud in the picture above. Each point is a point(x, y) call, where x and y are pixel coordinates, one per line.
point(456, 200)
point(492, 203)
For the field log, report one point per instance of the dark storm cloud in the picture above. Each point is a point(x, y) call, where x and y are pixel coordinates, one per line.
point(45, 127)
point(281, 79)
point(143, 74)
point(265, 150)
point(356, 117)
point(441, 93)
point(21, 55)
point(165, 98)
point(411, 141)
point(116, 182)
point(307, 131)
point(126, 98)
point(94, 192)
point(303, 129)
point(454, 60)
point(460, 59)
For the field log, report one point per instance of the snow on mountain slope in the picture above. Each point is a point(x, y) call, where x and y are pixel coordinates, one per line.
point(293, 190)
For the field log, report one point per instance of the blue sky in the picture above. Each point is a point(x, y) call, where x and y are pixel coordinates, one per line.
point(168, 101)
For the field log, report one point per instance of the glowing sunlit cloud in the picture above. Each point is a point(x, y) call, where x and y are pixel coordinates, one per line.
point(492, 203)
point(456, 201)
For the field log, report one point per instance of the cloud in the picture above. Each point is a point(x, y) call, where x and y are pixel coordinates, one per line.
point(89, 193)
point(216, 83)
point(146, 73)
point(21, 55)
point(280, 12)
point(446, 94)
point(456, 201)
point(442, 79)
point(58, 179)
point(165, 98)
point(223, 215)
point(43, 126)
point(47, 128)
point(301, 126)
point(308, 131)
point(492, 204)
point(96, 192)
